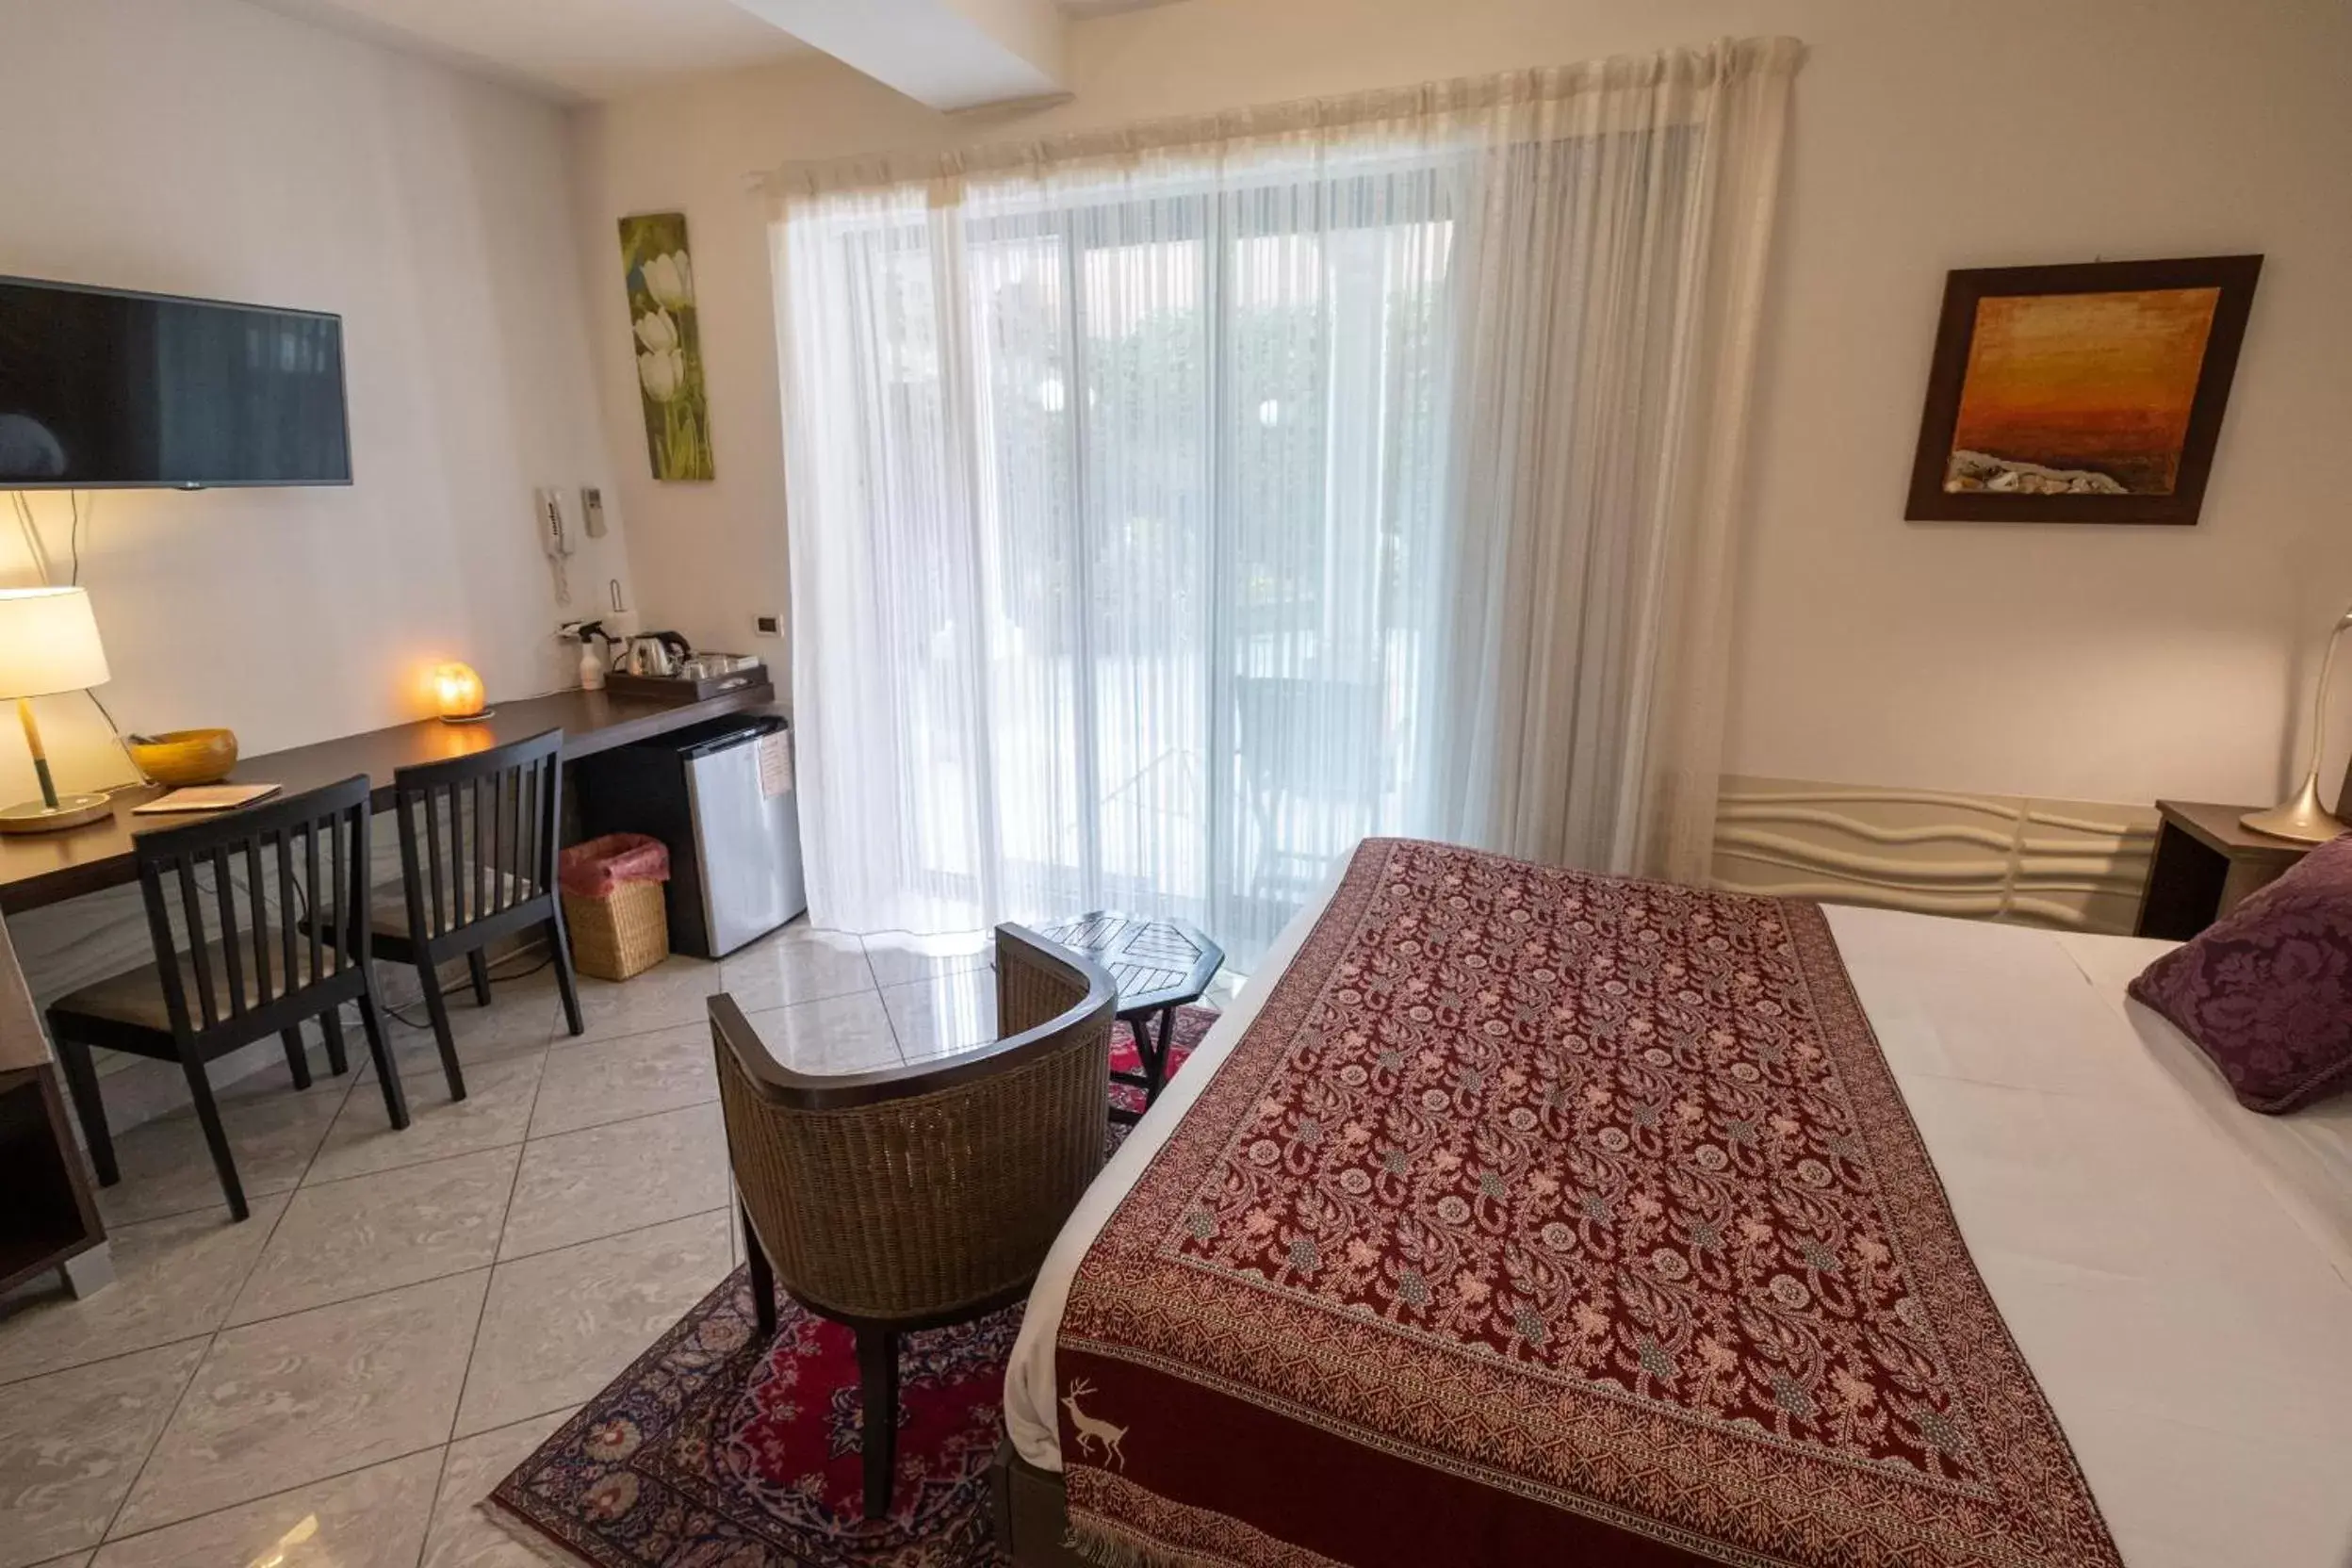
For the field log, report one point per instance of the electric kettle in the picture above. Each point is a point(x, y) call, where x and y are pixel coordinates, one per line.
point(657, 653)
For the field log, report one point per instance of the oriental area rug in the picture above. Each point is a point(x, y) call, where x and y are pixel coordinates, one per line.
point(714, 1450)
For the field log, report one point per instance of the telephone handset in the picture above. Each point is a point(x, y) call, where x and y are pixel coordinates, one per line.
point(555, 539)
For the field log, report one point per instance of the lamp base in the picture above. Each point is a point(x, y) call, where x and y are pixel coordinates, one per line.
point(469, 718)
point(71, 811)
point(2302, 819)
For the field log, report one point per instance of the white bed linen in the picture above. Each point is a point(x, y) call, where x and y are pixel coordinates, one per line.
point(2177, 1269)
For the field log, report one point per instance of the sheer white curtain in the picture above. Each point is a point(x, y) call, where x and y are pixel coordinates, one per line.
point(1171, 508)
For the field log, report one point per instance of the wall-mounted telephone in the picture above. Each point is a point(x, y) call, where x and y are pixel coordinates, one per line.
point(555, 539)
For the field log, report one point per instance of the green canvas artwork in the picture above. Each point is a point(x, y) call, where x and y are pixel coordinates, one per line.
point(660, 279)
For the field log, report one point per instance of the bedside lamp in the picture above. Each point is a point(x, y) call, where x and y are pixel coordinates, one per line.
point(457, 695)
point(2304, 818)
point(48, 645)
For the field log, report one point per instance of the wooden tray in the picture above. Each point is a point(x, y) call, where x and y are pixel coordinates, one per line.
point(671, 688)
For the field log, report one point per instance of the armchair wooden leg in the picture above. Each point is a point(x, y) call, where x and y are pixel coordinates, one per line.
point(296, 1058)
point(477, 966)
point(437, 1008)
point(763, 1280)
point(877, 1377)
point(81, 1080)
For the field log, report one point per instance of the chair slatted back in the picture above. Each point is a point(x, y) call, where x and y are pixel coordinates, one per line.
point(479, 834)
point(238, 888)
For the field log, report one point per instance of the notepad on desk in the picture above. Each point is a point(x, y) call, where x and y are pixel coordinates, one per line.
point(205, 797)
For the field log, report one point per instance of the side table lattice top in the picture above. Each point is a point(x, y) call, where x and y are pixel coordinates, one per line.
point(1156, 963)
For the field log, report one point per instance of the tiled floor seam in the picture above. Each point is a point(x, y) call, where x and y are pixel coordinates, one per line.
point(351, 1080)
point(488, 1148)
point(110, 1356)
point(112, 1540)
point(195, 1368)
point(898, 1047)
point(457, 1408)
point(384, 1290)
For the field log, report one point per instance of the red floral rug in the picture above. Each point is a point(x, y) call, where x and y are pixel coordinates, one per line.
point(715, 1451)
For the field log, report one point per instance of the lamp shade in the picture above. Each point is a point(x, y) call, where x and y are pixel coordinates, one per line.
point(48, 643)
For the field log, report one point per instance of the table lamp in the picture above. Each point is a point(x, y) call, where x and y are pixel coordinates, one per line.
point(457, 695)
point(2303, 817)
point(48, 645)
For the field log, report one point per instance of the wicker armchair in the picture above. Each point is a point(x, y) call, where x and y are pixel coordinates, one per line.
point(920, 1196)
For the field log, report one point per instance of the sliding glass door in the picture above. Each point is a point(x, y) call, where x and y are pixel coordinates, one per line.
point(1152, 489)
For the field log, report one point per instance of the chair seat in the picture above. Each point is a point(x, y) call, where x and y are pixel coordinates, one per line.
point(135, 997)
point(388, 910)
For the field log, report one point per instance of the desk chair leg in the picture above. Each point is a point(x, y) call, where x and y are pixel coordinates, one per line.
point(81, 1078)
point(216, 1138)
point(297, 1059)
point(565, 983)
point(387, 1071)
point(331, 1026)
point(762, 1280)
point(437, 1008)
point(877, 1377)
point(479, 967)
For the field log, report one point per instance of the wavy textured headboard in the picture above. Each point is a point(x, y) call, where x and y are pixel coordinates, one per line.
point(2068, 863)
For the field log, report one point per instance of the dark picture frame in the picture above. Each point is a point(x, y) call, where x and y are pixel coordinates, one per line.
point(1948, 385)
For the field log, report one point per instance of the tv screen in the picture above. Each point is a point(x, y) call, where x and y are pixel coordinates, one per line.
point(101, 389)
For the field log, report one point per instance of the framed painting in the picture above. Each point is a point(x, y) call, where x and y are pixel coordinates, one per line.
point(658, 272)
point(2080, 394)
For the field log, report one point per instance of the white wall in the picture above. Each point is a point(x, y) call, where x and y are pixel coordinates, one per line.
point(210, 147)
point(2094, 663)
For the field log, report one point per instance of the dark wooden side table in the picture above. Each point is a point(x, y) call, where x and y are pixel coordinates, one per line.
point(2204, 864)
point(47, 1219)
point(1159, 966)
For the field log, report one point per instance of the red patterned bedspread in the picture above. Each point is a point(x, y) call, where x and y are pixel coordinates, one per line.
point(1542, 1217)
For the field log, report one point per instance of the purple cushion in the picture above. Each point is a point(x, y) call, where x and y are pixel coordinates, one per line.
point(2266, 990)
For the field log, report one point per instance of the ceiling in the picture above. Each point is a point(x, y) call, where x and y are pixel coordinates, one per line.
point(580, 50)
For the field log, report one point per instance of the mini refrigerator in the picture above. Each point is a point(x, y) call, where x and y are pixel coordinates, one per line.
point(720, 795)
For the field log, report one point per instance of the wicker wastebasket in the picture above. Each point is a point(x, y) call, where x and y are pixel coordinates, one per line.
point(613, 904)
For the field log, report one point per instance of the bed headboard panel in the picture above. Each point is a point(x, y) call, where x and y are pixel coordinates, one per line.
point(2073, 864)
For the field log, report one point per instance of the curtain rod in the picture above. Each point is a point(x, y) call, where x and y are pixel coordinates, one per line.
point(1698, 68)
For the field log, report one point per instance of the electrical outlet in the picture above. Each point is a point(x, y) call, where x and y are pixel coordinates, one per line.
point(767, 626)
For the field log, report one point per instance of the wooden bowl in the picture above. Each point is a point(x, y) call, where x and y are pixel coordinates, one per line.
point(183, 757)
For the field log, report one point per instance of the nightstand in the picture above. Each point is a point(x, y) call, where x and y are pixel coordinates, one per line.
point(2204, 863)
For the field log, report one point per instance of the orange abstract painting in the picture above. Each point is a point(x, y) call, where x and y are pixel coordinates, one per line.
point(2083, 392)
point(2088, 387)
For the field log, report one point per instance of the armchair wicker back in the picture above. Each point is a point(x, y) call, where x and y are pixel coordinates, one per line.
point(921, 1195)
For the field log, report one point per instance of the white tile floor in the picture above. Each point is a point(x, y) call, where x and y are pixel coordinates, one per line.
point(339, 1379)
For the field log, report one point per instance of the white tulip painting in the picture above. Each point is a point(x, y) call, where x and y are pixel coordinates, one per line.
point(661, 280)
point(658, 332)
point(670, 279)
point(663, 374)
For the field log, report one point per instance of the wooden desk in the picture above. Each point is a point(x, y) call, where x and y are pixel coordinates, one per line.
point(2205, 862)
point(48, 868)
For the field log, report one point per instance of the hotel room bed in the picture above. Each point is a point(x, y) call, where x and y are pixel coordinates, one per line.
point(2175, 1270)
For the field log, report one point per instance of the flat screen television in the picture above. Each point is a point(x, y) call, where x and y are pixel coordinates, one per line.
point(105, 389)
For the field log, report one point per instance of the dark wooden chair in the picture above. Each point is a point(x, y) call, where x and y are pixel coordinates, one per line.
point(239, 886)
point(918, 1197)
point(478, 838)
